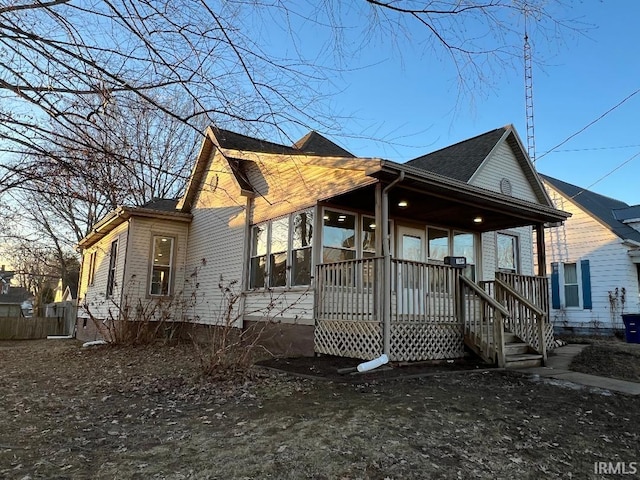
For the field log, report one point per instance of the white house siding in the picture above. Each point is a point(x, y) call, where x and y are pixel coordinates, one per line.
point(584, 238)
point(502, 163)
point(289, 183)
point(525, 253)
point(94, 296)
point(216, 244)
point(139, 251)
point(291, 306)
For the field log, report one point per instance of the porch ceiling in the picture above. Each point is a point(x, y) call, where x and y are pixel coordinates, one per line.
point(450, 207)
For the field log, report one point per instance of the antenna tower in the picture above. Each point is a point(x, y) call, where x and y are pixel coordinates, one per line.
point(528, 92)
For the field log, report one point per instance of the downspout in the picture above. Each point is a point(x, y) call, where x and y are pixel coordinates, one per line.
point(386, 252)
point(244, 283)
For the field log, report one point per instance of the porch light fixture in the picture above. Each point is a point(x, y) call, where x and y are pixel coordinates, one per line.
point(478, 219)
point(403, 204)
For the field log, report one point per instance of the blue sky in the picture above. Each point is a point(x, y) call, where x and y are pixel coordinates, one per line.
point(410, 99)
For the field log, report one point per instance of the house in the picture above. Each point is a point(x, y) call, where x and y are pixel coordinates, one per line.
point(330, 253)
point(594, 260)
point(14, 301)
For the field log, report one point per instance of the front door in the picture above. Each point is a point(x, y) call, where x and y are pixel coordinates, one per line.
point(410, 284)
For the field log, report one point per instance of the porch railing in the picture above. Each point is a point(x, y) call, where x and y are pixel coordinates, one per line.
point(423, 320)
point(484, 321)
point(526, 298)
point(348, 303)
point(432, 313)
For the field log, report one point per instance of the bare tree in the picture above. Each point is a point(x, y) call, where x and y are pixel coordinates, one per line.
point(62, 62)
point(97, 97)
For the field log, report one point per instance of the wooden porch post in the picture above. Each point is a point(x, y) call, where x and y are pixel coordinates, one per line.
point(378, 218)
point(542, 257)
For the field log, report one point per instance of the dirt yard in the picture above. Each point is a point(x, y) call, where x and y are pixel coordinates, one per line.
point(142, 413)
point(609, 358)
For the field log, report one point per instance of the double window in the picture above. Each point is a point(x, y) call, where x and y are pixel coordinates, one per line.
point(281, 251)
point(161, 266)
point(346, 236)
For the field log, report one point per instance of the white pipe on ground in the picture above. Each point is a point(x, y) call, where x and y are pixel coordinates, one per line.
point(375, 363)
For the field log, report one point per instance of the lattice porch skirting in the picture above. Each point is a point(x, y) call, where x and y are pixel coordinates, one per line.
point(411, 342)
point(348, 338)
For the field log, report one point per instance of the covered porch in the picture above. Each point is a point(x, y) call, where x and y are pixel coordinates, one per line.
point(413, 308)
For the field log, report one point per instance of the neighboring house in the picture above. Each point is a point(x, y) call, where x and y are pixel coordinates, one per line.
point(5, 279)
point(594, 260)
point(65, 292)
point(336, 254)
point(16, 302)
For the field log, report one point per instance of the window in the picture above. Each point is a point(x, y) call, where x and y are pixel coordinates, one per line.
point(464, 246)
point(438, 244)
point(571, 297)
point(258, 262)
point(571, 285)
point(279, 246)
point(301, 248)
point(507, 252)
point(368, 237)
point(338, 237)
point(113, 257)
point(162, 260)
point(278, 249)
point(92, 268)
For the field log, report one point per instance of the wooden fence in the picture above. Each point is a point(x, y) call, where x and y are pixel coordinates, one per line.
point(21, 328)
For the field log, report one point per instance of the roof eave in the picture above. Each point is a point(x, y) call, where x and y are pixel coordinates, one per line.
point(490, 198)
point(120, 215)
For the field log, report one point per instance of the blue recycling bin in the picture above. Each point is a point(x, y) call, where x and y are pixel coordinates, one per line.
point(631, 327)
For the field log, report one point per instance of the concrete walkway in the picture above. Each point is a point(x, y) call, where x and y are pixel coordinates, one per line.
point(558, 368)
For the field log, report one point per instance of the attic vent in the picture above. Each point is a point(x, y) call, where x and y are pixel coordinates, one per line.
point(505, 186)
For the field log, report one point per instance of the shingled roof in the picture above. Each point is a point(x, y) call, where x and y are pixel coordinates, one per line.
point(312, 143)
point(315, 143)
point(161, 204)
point(598, 206)
point(461, 160)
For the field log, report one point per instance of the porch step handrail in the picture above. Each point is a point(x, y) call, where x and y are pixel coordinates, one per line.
point(483, 332)
point(521, 311)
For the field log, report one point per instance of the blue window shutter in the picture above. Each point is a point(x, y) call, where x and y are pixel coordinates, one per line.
point(555, 286)
point(586, 285)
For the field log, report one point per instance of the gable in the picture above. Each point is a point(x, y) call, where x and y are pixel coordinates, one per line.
point(501, 172)
point(485, 160)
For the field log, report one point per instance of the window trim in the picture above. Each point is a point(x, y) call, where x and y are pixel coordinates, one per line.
point(170, 266)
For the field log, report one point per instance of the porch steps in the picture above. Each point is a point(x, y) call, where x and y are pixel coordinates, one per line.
point(517, 354)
